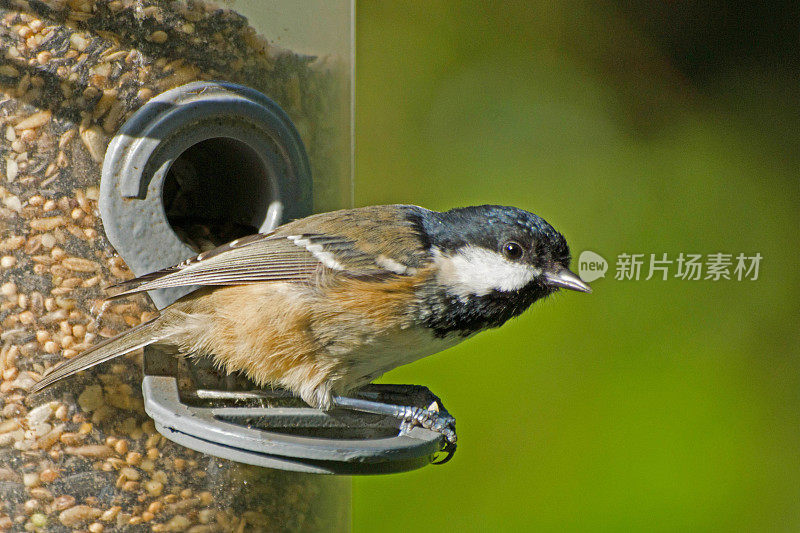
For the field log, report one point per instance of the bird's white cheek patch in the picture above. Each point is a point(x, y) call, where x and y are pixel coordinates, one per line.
point(478, 271)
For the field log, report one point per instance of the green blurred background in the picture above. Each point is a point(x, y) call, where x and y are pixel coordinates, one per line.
point(646, 128)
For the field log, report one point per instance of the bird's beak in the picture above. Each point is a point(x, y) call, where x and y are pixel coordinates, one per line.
point(566, 279)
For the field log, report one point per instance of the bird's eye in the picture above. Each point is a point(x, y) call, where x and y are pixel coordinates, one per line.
point(512, 250)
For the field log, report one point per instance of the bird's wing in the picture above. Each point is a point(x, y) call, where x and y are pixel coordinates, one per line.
point(295, 252)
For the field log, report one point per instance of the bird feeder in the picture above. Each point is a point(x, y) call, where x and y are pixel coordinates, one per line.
point(237, 119)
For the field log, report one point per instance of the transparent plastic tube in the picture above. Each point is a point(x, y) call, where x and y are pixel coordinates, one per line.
point(83, 454)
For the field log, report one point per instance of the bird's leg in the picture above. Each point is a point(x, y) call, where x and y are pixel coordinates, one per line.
point(409, 416)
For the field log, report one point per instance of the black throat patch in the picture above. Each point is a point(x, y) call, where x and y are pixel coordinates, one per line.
point(447, 314)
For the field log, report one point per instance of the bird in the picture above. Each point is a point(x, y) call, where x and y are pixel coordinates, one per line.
point(324, 305)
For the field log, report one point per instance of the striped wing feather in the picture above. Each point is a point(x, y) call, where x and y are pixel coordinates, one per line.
point(267, 258)
point(298, 251)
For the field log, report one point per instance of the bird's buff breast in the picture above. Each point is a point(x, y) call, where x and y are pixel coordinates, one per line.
point(285, 334)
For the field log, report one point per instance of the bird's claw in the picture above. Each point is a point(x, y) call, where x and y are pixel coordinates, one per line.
point(434, 418)
point(440, 422)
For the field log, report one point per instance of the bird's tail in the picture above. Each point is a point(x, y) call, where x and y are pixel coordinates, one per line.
point(125, 342)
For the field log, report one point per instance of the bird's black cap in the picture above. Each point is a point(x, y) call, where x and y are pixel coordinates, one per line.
point(490, 226)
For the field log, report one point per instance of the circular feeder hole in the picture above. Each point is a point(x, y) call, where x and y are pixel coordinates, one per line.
point(198, 166)
point(217, 190)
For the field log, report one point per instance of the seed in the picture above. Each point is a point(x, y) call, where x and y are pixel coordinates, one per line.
point(129, 473)
point(38, 520)
point(43, 259)
point(144, 94)
point(90, 93)
point(96, 527)
point(48, 240)
point(70, 283)
point(46, 441)
point(41, 413)
point(75, 231)
point(158, 37)
point(152, 441)
point(47, 223)
point(110, 514)
point(54, 316)
point(34, 121)
point(9, 425)
point(76, 515)
point(62, 412)
point(153, 488)
point(12, 243)
point(79, 264)
point(51, 347)
point(67, 341)
point(66, 138)
point(12, 169)
point(113, 117)
point(13, 202)
point(94, 140)
point(63, 502)
point(89, 450)
point(78, 42)
point(27, 136)
point(8, 289)
point(121, 447)
point(8, 261)
point(12, 410)
point(205, 516)
point(32, 505)
point(65, 303)
point(178, 523)
point(41, 493)
point(104, 103)
point(31, 479)
point(48, 475)
point(78, 331)
point(133, 458)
